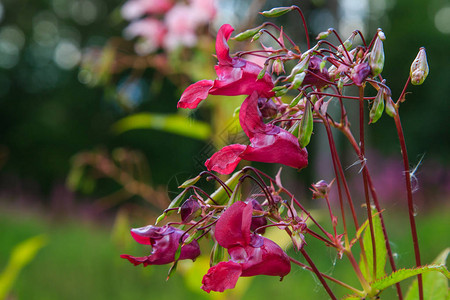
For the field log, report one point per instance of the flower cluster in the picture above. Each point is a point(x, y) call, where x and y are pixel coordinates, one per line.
point(278, 116)
point(166, 24)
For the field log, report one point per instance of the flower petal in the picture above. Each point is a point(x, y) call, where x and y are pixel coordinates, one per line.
point(269, 259)
point(221, 277)
point(233, 226)
point(225, 160)
point(195, 93)
point(222, 48)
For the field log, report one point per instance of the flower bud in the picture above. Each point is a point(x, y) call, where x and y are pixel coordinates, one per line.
point(277, 11)
point(298, 80)
point(306, 126)
point(190, 210)
point(419, 68)
point(390, 107)
point(249, 33)
point(376, 58)
point(324, 34)
point(377, 107)
point(278, 67)
point(299, 68)
point(320, 189)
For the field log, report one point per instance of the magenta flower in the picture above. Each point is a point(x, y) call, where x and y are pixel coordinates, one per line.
point(250, 254)
point(165, 242)
point(235, 76)
point(268, 143)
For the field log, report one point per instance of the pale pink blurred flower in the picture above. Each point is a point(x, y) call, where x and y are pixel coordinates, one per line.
point(205, 10)
point(153, 32)
point(181, 25)
point(134, 9)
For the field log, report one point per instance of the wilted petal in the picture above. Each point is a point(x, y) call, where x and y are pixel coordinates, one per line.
point(165, 242)
point(233, 226)
point(195, 93)
point(221, 277)
point(225, 160)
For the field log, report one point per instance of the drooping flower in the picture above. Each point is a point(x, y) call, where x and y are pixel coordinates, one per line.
point(250, 254)
point(165, 242)
point(268, 143)
point(235, 76)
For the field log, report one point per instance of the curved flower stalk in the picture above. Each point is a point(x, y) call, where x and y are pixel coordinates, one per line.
point(268, 143)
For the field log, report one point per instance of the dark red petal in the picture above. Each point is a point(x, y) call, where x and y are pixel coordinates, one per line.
point(233, 226)
point(222, 48)
point(221, 277)
point(195, 93)
point(134, 260)
point(250, 118)
point(225, 160)
point(269, 259)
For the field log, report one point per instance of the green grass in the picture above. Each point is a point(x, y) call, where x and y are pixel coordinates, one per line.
point(81, 261)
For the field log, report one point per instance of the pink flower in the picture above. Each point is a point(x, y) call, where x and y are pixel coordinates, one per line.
point(133, 9)
point(236, 76)
point(250, 254)
point(165, 242)
point(268, 143)
point(181, 22)
point(152, 30)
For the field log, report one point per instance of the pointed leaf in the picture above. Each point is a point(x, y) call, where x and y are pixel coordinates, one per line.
point(399, 275)
point(435, 285)
point(175, 123)
point(381, 252)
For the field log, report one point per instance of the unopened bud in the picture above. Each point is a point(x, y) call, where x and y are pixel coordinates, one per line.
point(299, 68)
point(320, 189)
point(277, 11)
point(249, 33)
point(376, 58)
point(278, 67)
point(390, 107)
point(189, 210)
point(324, 34)
point(419, 68)
point(377, 107)
point(306, 126)
point(298, 80)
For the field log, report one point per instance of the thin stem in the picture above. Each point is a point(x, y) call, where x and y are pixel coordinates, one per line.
point(318, 274)
point(366, 192)
point(304, 25)
point(412, 221)
point(346, 131)
point(327, 277)
point(360, 276)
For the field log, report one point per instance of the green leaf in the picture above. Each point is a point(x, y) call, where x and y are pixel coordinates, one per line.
point(399, 275)
point(277, 11)
point(175, 123)
point(21, 255)
point(380, 245)
point(435, 285)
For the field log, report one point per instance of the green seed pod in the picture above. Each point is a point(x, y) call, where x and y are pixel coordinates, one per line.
point(390, 107)
point(276, 12)
point(249, 33)
point(323, 34)
point(298, 80)
point(419, 68)
point(377, 107)
point(220, 196)
point(306, 126)
point(376, 58)
point(299, 68)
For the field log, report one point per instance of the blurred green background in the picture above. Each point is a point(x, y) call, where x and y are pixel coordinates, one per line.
point(66, 150)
